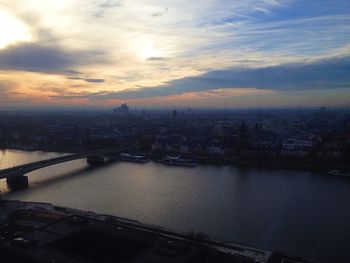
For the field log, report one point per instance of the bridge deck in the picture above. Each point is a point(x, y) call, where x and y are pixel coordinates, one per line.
point(29, 167)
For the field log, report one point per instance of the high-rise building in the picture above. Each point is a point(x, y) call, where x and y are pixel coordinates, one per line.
point(122, 109)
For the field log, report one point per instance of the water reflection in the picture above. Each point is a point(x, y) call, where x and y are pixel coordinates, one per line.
point(299, 212)
point(10, 158)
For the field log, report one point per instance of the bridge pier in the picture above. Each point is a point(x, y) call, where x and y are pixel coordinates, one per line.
point(95, 160)
point(17, 182)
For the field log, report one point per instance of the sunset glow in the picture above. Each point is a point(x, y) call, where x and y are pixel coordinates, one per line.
point(96, 53)
point(147, 50)
point(12, 30)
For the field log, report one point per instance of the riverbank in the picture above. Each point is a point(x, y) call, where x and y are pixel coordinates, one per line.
point(226, 202)
point(261, 163)
point(44, 226)
point(246, 162)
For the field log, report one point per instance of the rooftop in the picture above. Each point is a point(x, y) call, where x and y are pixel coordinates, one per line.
point(37, 232)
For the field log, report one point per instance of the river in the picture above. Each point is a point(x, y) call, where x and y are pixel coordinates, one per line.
point(301, 213)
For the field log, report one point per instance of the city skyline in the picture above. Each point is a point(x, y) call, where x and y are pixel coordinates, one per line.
point(256, 53)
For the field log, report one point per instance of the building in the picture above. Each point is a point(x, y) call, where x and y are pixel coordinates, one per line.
point(296, 148)
point(122, 109)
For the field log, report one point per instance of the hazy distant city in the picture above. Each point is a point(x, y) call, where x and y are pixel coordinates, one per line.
point(300, 139)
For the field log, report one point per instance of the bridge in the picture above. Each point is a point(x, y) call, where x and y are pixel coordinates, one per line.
point(15, 175)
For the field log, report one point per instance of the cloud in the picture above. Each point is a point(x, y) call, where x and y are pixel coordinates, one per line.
point(197, 47)
point(4, 89)
point(156, 58)
point(8, 96)
point(87, 80)
point(262, 10)
point(94, 80)
point(41, 58)
point(102, 7)
point(323, 74)
point(160, 13)
point(110, 3)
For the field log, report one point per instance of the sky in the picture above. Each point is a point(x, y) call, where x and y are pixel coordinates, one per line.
point(175, 53)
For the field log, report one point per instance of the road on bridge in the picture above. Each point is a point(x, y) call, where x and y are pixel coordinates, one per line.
point(29, 167)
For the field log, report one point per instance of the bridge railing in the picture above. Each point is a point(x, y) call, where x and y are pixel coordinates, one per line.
point(25, 168)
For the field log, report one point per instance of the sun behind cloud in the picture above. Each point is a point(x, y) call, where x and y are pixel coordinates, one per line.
point(148, 52)
point(147, 49)
point(12, 30)
point(101, 51)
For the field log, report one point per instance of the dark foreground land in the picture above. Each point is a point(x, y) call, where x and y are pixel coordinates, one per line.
point(36, 232)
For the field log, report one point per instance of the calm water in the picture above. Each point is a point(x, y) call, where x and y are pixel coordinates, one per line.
point(297, 212)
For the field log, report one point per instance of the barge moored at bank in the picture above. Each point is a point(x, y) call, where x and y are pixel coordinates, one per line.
point(132, 158)
point(178, 161)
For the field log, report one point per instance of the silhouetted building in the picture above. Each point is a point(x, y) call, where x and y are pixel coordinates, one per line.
point(243, 135)
point(122, 109)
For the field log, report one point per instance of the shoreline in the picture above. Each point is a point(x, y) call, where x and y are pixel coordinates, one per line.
point(295, 165)
point(248, 162)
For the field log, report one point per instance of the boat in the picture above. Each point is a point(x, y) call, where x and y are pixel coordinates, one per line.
point(177, 160)
point(345, 173)
point(132, 158)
